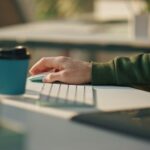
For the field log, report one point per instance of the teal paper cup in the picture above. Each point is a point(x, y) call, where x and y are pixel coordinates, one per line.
point(13, 70)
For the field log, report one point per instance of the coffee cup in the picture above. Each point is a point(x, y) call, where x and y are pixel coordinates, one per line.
point(14, 64)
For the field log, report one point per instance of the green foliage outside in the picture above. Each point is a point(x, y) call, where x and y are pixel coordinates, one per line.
point(148, 5)
point(46, 9)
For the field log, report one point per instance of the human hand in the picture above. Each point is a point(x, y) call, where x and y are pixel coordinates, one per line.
point(63, 69)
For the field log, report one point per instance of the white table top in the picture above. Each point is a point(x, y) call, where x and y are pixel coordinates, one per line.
point(47, 129)
point(45, 132)
point(72, 32)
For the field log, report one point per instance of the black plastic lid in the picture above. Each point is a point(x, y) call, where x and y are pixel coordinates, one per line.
point(18, 52)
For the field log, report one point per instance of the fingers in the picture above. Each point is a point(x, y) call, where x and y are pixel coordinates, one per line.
point(53, 77)
point(63, 69)
point(39, 67)
point(44, 65)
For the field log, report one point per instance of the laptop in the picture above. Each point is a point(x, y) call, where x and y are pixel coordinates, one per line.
point(83, 103)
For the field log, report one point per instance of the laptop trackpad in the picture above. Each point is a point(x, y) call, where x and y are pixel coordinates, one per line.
point(112, 98)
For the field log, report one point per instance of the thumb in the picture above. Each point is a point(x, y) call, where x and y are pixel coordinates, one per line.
point(52, 77)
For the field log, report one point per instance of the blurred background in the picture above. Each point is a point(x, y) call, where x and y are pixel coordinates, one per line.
point(91, 30)
point(76, 22)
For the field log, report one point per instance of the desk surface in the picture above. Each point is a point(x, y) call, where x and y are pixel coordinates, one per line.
point(72, 35)
point(50, 131)
point(47, 132)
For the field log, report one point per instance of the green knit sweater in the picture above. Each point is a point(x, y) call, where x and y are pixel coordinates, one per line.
point(123, 71)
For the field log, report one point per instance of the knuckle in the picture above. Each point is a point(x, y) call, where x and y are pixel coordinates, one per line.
point(62, 58)
point(49, 78)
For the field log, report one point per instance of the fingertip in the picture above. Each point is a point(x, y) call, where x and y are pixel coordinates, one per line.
point(50, 78)
point(30, 72)
point(46, 79)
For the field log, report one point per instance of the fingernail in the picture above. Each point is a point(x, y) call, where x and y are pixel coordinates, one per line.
point(31, 72)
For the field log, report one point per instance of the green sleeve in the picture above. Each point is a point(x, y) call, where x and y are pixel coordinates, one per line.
point(123, 71)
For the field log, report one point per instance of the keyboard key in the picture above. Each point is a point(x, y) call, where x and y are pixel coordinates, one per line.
point(61, 95)
point(33, 90)
point(80, 94)
point(89, 95)
point(71, 93)
point(63, 92)
point(55, 90)
point(45, 94)
point(46, 89)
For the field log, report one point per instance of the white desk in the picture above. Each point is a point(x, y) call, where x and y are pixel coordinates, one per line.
point(67, 34)
point(46, 132)
point(52, 131)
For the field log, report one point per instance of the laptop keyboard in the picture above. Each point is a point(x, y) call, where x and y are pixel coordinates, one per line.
point(56, 94)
